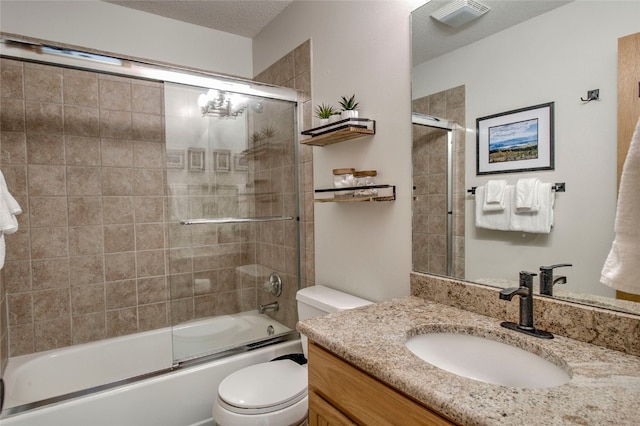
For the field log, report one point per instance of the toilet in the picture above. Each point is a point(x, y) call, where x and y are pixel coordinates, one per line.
point(275, 392)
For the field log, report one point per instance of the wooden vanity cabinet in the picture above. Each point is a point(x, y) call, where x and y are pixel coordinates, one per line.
point(341, 394)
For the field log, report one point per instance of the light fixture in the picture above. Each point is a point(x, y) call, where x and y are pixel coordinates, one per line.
point(460, 12)
point(217, 103)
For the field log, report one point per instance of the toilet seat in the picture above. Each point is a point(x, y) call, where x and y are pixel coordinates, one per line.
point(263, 388)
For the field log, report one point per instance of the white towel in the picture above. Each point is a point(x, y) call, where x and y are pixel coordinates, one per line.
point(497, 219)
point(537, 222)
point(494, 195)
point(526, 196)
point(9, 208)
point(622, 268)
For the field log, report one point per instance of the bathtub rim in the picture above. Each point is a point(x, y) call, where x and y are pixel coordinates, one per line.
point(178, 366)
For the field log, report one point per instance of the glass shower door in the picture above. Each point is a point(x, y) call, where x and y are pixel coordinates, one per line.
point(233, 209)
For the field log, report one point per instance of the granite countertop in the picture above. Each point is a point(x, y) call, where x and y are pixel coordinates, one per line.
point(604, 388)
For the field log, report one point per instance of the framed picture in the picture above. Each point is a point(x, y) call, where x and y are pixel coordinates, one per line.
point(515, 141)
point(196, 159)
point(175, 159)
point(240, 162)
point(222, 160)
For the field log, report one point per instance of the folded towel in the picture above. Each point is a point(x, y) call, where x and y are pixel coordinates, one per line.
point(497, 219)
point(494, 195)
point(621, 268)
point(526, 195)
point(540, 221)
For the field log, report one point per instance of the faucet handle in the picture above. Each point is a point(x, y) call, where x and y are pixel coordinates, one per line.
point(526, 279)
point(552, 267)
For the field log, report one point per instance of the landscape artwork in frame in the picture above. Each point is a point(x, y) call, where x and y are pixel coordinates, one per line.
point(516, 141)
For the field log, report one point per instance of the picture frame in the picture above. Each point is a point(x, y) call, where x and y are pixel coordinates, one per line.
point(240, 162)
point(222, 160)
point(175, 159)
point(196, 159)
point(516, 141)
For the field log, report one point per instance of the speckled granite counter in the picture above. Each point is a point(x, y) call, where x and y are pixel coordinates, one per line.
point(604, 389)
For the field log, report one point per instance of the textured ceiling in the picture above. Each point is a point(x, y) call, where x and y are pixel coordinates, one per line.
point(241, 17)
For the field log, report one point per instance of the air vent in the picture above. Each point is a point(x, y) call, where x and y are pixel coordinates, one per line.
point(460, 12)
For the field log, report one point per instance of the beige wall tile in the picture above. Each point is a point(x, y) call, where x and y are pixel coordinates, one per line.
point(43, 83)
point(12, 115)
point(147, 98)
point(154, 316)
point(46, 180)
point(80, 88)
point(87, 299)
point(82, 151)
point(117, 153)
point(51, 304)
point(45, 148)
point(11, 79)
point(119, 266)
point(117, 181)
point(115, 124)
point(43, 117)
point(86, 240)
point(14, 148)
point(49, 242)
point(149, 209)
point(147, 127)
point(85, 210)
point(48, 211)
point(85, 270)
point(84, 181)
point(88, 328)
point(150, 263)
point(50, 273)
point(81, 121)
point(149, 236)
point(16, 276)
point(20, 308)
point(121, 322)
point(115, 94)
point(120, 294)
point(118, 238)
point(152, 290)
point(118, 209)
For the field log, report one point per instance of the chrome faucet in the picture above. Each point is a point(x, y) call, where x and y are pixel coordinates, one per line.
point(547, 280)
point(525, 292)
point(269, 307)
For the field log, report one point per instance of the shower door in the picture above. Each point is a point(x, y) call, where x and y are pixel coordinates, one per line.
point(233, 218)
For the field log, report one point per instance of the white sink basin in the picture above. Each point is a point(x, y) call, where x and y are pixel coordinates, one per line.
point(486, 360)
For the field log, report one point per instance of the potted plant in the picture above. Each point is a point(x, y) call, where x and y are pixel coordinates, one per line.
point(324, 113)
point(349, 107)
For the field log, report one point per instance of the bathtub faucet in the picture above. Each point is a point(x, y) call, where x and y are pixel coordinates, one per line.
point(269, 307)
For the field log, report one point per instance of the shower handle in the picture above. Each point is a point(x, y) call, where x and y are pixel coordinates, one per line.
point(274, 285)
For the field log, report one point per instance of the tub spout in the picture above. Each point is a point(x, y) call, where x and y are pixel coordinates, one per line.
point(269, 307)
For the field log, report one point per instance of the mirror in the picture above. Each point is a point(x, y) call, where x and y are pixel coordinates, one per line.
point(521, 54)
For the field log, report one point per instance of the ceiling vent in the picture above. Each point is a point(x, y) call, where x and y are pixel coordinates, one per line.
point(460, 12)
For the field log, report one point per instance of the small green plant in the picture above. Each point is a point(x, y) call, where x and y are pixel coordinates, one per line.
point(325, 111)
point(349, 104)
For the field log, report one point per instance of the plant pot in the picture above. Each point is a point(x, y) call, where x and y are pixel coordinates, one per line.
point(323, 121)
point(335, 117)
point(351, 113)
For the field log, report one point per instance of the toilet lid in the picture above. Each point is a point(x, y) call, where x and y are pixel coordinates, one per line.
point(269, 385)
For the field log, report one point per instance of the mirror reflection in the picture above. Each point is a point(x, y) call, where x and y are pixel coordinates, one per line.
point(497, 64)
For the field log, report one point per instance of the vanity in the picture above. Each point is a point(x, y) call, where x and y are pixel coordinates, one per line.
point(361, 371)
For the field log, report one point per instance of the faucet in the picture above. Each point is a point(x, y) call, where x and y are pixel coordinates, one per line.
point(525, 292)
point(547, 280)
point(269, 307)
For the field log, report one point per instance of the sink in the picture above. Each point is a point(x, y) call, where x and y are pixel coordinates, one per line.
point(486, 360)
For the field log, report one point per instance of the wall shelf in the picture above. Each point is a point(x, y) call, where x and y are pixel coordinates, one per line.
point(390, 189)
point(339, 131)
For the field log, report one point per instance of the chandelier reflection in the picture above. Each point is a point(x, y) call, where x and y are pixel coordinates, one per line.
point(217, 103)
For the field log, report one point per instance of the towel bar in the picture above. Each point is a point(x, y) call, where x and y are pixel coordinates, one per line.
point(223, 220)
point(557, 187)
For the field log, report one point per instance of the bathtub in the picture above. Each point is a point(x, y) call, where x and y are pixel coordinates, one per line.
point(132, 380)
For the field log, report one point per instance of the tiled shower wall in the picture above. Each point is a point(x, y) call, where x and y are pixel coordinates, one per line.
point(83, 154)
point(430, 182)
point(294, 70)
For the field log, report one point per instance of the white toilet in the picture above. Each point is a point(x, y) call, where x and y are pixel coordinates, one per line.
point(275, 393)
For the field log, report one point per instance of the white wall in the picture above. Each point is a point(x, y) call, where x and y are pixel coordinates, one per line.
point(359, 47)
point(555, 57)
point(112, 28)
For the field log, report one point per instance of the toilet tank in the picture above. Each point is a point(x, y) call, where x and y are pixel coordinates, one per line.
point(318, 301)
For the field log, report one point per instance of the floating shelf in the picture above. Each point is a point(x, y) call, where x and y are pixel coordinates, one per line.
point(339, 131)
point(356, 199)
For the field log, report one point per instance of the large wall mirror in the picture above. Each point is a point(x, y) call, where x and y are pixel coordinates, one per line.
point(517, 55)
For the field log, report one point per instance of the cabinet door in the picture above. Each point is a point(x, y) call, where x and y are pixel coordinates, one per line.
point(361, 397)
point(321, 413)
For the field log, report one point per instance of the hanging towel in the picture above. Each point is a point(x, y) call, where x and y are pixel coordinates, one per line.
point(622, 267)
point(9, 208)
point(494, 195)
point(497, 219)
point(539, 221)
point(527, 195)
